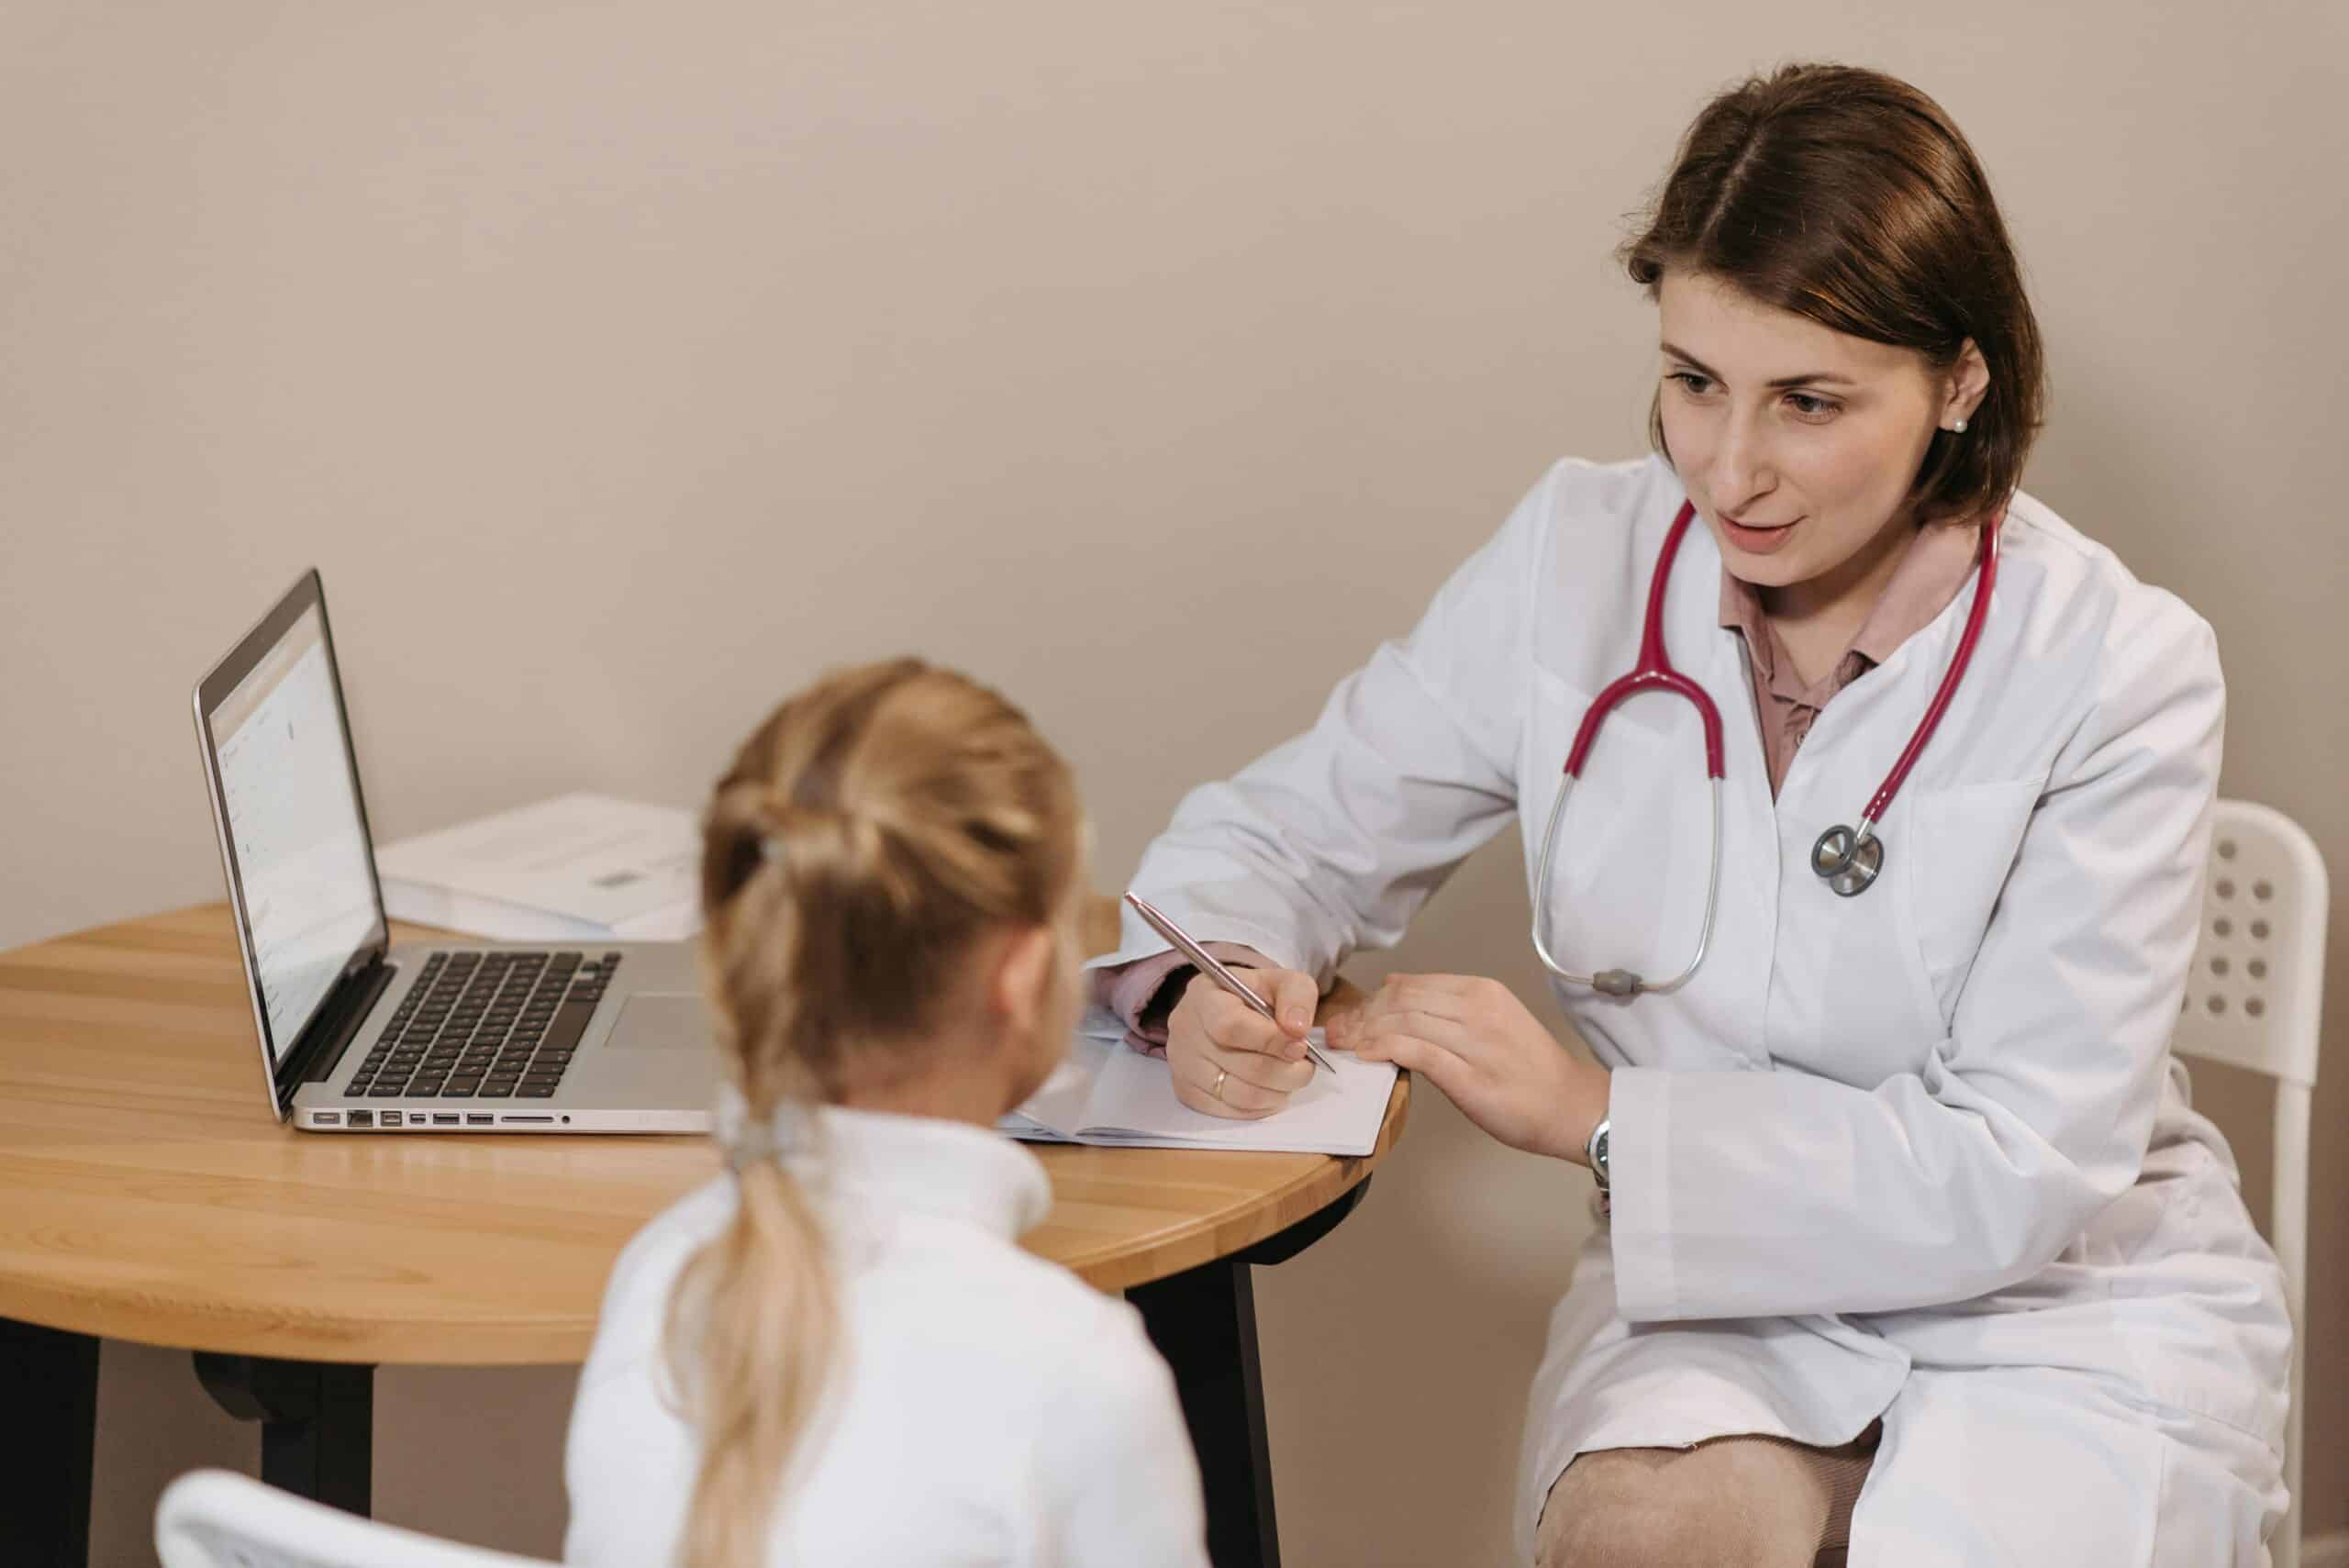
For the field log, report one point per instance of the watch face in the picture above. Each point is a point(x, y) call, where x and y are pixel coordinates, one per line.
point(1599, 1154)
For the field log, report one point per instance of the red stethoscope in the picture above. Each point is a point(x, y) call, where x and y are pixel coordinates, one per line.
point(1847, 859)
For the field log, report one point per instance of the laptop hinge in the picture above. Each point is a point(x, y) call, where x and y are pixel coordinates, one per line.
point(320, 1047)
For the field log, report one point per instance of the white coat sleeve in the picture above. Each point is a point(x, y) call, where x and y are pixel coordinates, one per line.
point(1331, 841)
point(1124, 1480)
point(1780, 1193)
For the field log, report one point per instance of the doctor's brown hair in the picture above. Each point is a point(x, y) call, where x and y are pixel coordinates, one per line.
point(1848, 198)
point(867, 834)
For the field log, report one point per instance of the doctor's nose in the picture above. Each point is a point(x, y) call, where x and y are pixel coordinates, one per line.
point(1743, 471)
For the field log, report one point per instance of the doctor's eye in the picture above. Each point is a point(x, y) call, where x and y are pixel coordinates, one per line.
point(1690, 382)
point(1812, 408)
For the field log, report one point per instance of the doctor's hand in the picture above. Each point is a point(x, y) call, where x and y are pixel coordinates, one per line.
point(1227, 1060)
point(1473, 1040)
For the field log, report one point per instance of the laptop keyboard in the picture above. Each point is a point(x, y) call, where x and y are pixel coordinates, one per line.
point(486, 1026)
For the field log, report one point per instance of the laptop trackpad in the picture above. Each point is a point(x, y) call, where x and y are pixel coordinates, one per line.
point(663, 1020)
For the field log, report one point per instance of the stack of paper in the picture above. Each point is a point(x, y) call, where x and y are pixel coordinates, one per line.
point(580, 868)
point(1109, 1094)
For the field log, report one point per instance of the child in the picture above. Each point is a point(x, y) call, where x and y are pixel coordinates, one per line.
point(838, 1353)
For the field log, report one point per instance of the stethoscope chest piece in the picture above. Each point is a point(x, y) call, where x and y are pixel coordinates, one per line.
point(1847, 862)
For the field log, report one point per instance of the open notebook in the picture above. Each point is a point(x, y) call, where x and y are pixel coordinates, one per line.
point(1108, 1094)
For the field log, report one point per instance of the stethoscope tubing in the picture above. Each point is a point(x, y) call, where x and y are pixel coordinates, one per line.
point(1987, 578)
point(1622, 982)
point(1654, 671)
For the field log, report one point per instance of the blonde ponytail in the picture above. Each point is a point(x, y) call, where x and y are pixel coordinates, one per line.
point(866, 834)
point(761, 1301)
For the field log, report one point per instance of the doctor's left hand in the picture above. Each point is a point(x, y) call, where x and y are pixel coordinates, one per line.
point(1474, 1040)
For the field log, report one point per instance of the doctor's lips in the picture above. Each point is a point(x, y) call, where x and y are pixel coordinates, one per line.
point(1759, 538)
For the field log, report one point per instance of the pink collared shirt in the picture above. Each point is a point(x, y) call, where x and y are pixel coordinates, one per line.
point(1927, 578)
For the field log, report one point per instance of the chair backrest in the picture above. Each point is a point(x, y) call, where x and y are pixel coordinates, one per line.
point(212, 1519)
point(2255, 998)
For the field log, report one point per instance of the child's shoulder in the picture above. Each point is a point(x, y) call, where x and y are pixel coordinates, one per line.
point(1033, 1334)
point(1001, 1288)
point(648, 1267)
point(913, 1286)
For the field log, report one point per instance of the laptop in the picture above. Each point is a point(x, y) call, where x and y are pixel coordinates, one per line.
point(359, 1036)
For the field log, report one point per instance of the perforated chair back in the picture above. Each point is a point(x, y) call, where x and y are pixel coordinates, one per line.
point(212, 1519)
point(2254, 999)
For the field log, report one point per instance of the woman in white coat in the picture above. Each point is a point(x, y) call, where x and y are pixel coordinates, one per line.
point(1916, 1248)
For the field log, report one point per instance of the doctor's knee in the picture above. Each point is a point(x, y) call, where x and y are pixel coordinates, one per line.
point(1653, 1509)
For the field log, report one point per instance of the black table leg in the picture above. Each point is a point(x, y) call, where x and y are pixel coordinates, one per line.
point(1203, 1321)
point(318, 1422)
point(48, 1425)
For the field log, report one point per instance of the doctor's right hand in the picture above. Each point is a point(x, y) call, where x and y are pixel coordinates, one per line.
point(1228, 1061)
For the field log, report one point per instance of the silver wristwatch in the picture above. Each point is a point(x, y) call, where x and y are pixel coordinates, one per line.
point(1595, 1151)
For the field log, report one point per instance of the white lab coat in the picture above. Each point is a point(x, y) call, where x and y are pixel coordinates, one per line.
point(1921, 1154)
point(987, 1409)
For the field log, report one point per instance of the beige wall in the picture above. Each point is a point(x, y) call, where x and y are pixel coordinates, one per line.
point(621, 364)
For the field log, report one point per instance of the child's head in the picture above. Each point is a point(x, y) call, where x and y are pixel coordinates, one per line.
point(892, 874)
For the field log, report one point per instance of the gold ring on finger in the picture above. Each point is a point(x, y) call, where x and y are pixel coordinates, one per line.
point(1220, 1074)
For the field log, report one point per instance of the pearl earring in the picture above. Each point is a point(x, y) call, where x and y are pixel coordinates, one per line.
point(1959, 428)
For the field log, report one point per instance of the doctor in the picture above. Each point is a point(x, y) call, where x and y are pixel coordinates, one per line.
point(1917, 1250)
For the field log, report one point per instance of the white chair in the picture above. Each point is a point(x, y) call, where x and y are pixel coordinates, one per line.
point(213, 1519)
point(2252, 1001)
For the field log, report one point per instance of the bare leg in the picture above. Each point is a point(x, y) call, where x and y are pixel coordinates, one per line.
point(1742, 1502)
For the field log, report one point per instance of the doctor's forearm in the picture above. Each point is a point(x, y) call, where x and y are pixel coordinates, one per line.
point(1768, 1194)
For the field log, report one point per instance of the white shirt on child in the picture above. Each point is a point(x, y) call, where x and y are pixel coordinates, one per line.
point(986, 1406)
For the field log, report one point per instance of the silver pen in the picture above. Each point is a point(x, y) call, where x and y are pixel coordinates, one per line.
point(1210, 968)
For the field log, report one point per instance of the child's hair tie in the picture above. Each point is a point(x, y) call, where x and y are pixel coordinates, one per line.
point(744, 1139)
point(750, 1143)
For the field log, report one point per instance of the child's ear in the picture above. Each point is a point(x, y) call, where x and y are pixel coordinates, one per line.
point(1020, 990)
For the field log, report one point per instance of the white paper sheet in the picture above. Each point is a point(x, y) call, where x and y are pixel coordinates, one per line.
point(1109, 1094)
point(611, 867)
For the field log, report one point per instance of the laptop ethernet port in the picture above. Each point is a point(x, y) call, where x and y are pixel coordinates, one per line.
point(362, 1118)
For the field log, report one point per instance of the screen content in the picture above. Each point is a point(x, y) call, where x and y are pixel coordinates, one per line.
point(294, 827)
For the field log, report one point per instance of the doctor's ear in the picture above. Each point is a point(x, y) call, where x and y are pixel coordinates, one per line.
point(1965, 384)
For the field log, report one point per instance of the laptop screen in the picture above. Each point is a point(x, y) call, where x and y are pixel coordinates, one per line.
point(293, 823)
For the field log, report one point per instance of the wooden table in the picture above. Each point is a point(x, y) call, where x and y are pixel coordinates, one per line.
point(146, 1193)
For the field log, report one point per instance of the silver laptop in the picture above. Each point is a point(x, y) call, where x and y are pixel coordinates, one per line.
point(358, 1036)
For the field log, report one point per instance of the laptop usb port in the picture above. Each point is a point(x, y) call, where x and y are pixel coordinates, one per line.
point(391, 1119)
point(362, 1118)
point(444, 1118)
point(480, 1118)
point(327, 1118)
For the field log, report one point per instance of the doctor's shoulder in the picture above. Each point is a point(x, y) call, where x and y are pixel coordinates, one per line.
point(1582, 504)
point(1577, 555)
point(1582, 532)
point(2129, 651)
